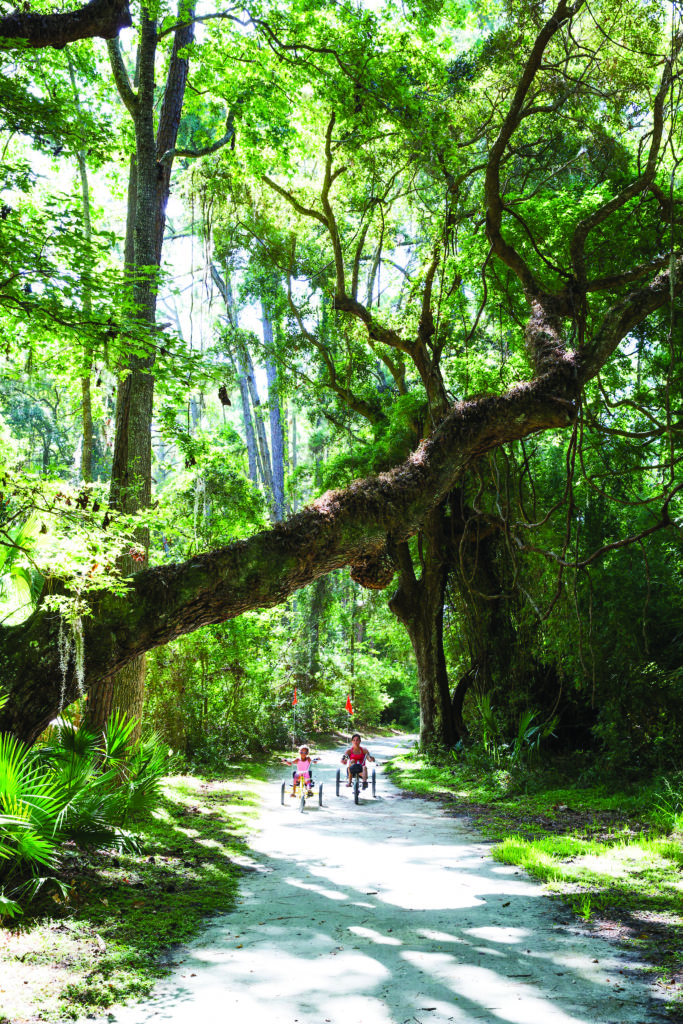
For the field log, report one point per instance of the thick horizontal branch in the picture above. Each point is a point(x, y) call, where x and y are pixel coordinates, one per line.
point(103, 19)
point(340, 529)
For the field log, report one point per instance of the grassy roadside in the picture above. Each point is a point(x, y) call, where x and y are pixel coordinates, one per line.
point(612, 854)
point(114, 935)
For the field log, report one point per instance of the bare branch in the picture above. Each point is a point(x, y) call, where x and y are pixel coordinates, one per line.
point(129, 98)
point(206, 150)
point(305, 211)
point(329, 213)
point(625, 314)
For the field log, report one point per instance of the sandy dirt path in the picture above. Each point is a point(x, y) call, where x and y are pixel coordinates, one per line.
point(390, 913)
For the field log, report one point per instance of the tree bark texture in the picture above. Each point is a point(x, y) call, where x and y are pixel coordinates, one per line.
point(103, 19)
point(223, 285)
point(247, 369)
point(87, 445)
point(276, 432)
point(148, 193)
point(418, 604)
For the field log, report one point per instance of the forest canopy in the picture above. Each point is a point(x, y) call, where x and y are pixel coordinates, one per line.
point(370, 313)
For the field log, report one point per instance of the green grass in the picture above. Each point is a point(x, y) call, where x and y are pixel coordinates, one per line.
point(615, 855)
point(110, 939)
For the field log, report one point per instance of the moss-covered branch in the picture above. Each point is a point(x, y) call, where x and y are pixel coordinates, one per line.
point(349, 527)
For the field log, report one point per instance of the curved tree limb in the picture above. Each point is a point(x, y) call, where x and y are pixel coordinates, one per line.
point(103, 19)
point(492, 190)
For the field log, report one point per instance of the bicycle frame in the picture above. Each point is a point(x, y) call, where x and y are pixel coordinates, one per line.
point(302, 792)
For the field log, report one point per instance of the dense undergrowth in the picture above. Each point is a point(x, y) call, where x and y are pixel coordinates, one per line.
point(613, 851)
point(112, 933)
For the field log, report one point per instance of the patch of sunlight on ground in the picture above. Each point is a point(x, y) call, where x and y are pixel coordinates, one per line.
point(497, 934)
point(619, 862)
point(331, 894)
point(161, 815)
point(374, 936)
point(506, 997)
point(429, 933)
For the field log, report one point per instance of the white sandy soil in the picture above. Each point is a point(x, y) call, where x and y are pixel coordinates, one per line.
point(390, 913)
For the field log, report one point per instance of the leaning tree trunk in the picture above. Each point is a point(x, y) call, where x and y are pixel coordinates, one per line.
point(418, 604)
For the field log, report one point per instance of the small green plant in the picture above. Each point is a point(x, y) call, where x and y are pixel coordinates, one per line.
point(20, 584)
point(582, 905)
point(81, 788)
point(490, 729)
point(668, 803)
point(529, 736)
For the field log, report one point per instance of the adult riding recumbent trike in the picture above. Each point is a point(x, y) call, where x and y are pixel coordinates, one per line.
point(356, 758)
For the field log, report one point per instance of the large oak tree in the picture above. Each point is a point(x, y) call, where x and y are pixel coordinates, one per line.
point(570, 338)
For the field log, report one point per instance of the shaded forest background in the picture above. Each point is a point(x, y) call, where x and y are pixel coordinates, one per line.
point(352, 233)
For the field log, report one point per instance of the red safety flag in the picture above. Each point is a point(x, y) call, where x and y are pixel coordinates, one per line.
point(349, 706)
point(296, 699)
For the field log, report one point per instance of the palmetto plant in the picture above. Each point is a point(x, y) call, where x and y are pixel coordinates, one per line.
point(20, 585)
point(81, 788)
point(529, 737)
point(490, 729)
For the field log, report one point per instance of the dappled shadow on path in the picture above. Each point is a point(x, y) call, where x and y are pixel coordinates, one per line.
point(388, 913)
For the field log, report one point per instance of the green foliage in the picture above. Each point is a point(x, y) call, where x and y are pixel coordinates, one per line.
point(229, 688)
point(78, 788)
point(20, 584)
point(668, 806)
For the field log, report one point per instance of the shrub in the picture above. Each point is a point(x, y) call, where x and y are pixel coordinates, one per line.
point(79, 788)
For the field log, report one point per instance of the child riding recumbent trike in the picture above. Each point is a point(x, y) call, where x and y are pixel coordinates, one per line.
point(303, 785)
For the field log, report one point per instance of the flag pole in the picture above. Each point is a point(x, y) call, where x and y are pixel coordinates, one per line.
point(294, 704)
point(349, 712)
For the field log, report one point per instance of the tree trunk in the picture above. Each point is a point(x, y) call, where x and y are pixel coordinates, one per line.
point(319, 597)
point(149, 188)
point(276, 433)
point(87, 444)
point(247, 368)
point(86, 417)
point(418, 604)
point(223, 285)
point(294, 463)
